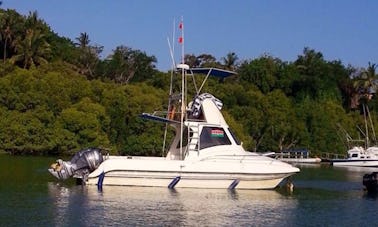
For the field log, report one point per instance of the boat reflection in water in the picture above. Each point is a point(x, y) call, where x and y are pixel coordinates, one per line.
point(136, 206)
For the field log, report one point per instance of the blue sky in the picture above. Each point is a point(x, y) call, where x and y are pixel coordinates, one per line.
point(345, 30)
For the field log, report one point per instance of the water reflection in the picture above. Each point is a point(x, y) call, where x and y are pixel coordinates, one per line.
point(323, 196)
point(69, 204)
point(333, 178)
point(77, 205)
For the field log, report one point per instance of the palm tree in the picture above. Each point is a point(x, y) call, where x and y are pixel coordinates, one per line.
point(230, 61)
point(9, 27)
point(88, 56)
point(32, 20)
point(7, 37)
point(32, 49)
point(350, 93)
point(371, 76)
point(83, 40)
point(366, 83)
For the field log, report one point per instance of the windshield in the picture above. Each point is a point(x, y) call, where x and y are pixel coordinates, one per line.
point(213, 136)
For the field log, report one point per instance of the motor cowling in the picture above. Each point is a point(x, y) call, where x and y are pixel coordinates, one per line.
point(82, 163)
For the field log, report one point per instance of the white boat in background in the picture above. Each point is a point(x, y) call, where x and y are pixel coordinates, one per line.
point(358, 156)
point(204, 152)
point(366, 156)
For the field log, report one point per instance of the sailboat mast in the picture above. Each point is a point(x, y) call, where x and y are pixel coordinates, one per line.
point(366, 127)
point(372, 126)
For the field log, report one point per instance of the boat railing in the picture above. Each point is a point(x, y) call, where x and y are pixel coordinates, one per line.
point(330, 156)
point(297, 154)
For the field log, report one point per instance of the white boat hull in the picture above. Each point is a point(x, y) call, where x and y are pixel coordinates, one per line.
point(158, 172)
point(188, 183)
point(360, 163)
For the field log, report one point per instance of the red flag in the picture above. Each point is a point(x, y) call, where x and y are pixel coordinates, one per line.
point(180, 39)
point(181, 25)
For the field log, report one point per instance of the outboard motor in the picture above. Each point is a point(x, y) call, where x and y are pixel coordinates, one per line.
point(81, 164)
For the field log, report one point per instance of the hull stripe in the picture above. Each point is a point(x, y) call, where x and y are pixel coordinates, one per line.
point(174, 182)
point(234, 184)
point(100, 181)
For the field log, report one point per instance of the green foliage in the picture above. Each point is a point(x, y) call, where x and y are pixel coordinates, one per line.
point(141, 99)
point(87, 124)
point(23, 133)
point(286, 131)
point(126, 64)
point(51, 112)
point(57, 96)
point(262, 72)
point(319, 78)
point(322, 120)
point(62, 49)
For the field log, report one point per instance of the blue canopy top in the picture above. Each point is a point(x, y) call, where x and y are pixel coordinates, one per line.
point(212, 72)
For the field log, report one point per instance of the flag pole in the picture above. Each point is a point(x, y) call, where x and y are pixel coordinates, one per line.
point(181, 41)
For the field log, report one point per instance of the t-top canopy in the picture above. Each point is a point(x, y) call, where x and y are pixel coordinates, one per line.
point(220, 73)
point(212, 72)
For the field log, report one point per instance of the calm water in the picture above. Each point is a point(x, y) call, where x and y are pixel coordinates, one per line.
point(323, 196)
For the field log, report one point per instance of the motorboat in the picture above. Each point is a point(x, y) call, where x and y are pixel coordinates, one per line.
point(359, 156)
point(204, 152)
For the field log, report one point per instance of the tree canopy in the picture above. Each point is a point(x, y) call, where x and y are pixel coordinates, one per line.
point(58, 95)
